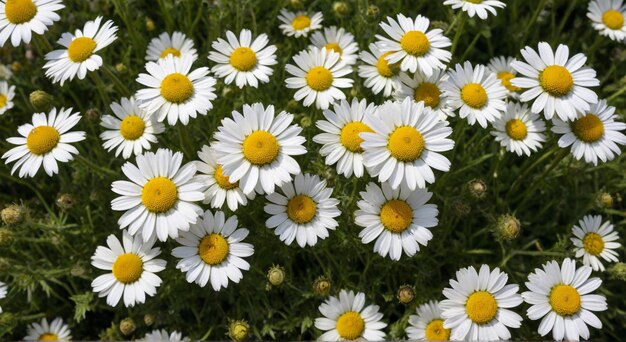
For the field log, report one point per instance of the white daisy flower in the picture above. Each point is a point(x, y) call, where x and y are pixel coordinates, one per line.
point(174, 91)
point(243, 60)
point(256, 148)
point(427, 325)
point(213, 250)
point(595, 135)
point(501, 66)
point(561, 297)
point(177, 44)
point(519, 130)
point(347, 318)
point(163, 336)
point(130, 130)
point(413, 46)
point(405, 145)
point(7, 93)
point(477, 92)
point(318, 77)
point(607, 17)
point(159, 198)
point(399, 220)
point(426, 89)
point(337, 40)
point(299, 24)
point(3, 292)
point(476, 7)
point(378, 73)
point(594, 240)
point(79, 55)
point(557, 84)
point(42, 331)
point(20, 18)
point(45, 142)
point(477, 305)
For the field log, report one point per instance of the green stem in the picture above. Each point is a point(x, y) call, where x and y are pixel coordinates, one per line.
point(616, 94)
point(96, 167)
point(533, 19)
point(458, 33)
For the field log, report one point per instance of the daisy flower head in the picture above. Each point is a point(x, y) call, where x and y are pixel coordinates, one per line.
point(45, 141)
point(44, 331)
point(476, 7)
point(501, 66)
point(80, 52)
point(406, 144)
point(554, 82)
point(379, 74)
point(476, 92)
point(243, 60)
point(299, 24)
point(595, 135)
point(427, 324)
point(130, 129)
point(337, 40)
point(7, 93)
point(413, 46)
point(561, 297)
point(3, 292)
point(478, 305)
point(177, 44)
point(347, 318)
point(419, 87)
point(594, 239)
point(164, 336)
point(256, 148)
point(607, 17)
point(213, 250)
point(174, 91)
point(20, 18)
point(519, 130)
point(159, 199)
point(318, 75)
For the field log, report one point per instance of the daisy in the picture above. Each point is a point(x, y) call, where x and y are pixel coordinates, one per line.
point(607, 17)
point(177, 44)
point(378, 73)
point(398, 219)
point(476, 7)
point(596, 135)
point(243, 60)
point(7, 93)
point(79, 55)
point(501, 66)
point(42, 331)
point(299, 24)
point(426, 89)
point(347, 318)
point(557, 84)
point(256, 148)
point(413, 46)
point(130, 130)
point(163, 336)
point(337, 40)
point(477, 305)
point(427, 324)
point(594, 240)
point(477, 92)
point(159, 197)
point(213, 250)
point(3, 292)
point(174, 91)
point(405, 144)
point(318, 77)
point(519, 130)
point(20, 18)
point(45, 142)
point(560, 297)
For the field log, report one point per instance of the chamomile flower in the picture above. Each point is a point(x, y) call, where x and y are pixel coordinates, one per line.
point(44, 331)
point(130, 130)
point(399, 220)
point(177, 44)
point(20, 18)
point(519, 130)
point(427, 324)
point(478, 303)
point(256, 148)
point(556, 83)
point(561, 297)
point(406, 144)
point(501, 66)
point(413, 46)
point(318, 75)
point(607, 17)
point(476, 92)
point(45, 142)
point(595, 135)
point(79, 55)
point(3, 292)
point(476, 7)
point(132, 264)
point(174, 91)
point(159, 198)
point(7, 93)
point(379, 74)
point(244, 61)
point(303, 210)
point(337, 40)
point(213, 250)
point(347, 318)
point(426, 89)
point(164, 336)
point(593, 240)
point(299, 24)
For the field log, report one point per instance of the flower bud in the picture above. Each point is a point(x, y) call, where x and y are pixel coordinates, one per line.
point(341, 8)
point(477, 188)
point(121, 68)
point(373, 11)
point(508, 227)
point(618, 271)
point(276, 275)
point(78, 270)
point(41, 100)
point(437, 24)
point(322, 286)
point(150, 26)
point(8, 321)
point(149, 319)
point(295, 3)
point(16, 67)
point(66, 201)
point(13, 214)
point(92, 114)
point(306, 122)
point(238, 330)
point(460, 208)
point(604, 200)
point(127, 326)
point(6, 238)
point(406, 294)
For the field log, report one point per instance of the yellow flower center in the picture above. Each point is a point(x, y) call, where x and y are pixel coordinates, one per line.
point(481, 307)
point(301, 22)
point(474, 95)
point(474, 1)
point(384, 68)
point(429, 93)
point(132, 127)
point(213, 249)
point(350, 138)
point(243, 59)
point(42, 139)
point(415, 43)
point(170, 51)
point(505, 78)
point(396, 215)
point(20, 11)
point(593, 243)
point(334, 47)
point(516, 129)
point(80, 49)
point(127, 268)
point(48, 337)
point(319, 78)
point(613, 19)
point(301, 209)
point(3, 100)
point(260, 148)
point(159, 195)
point(406, 144)
point(350, 325)
point(556, 80)
point(223, 181)
point(436, 332)
point(565, 300)
point(589, 128)
point(176, 88)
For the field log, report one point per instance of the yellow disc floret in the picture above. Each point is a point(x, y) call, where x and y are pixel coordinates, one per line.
point(396, 215)
point(481, 307)
point(170, 51)
point(80, 49)
point(350, 325)
point(406, 144)
point(127, 268)
point(334, 47)
point(589, 128)
point(556, 80)
point(20, 11)
point(132, 127)
point(384, 68)
point(213, 249)
point(223, 181)
point(48, 337)
point(319, 78)
point(565, 300)
point(474, 95)
point(159, 195)
point(593, 243)
point(176, 88)
point(260, 148)
point(436, 332)
point(42, 139)
point(505, 78)
point(415, 43)
point(243, 59)
point(613, 19)
point(301, 209)
point(350, 138)
point(301, 22)
point(3, 100)
point(429, 93)
point(516, 129)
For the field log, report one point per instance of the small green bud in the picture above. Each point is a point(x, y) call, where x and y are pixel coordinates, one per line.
point(6, 238)
point(8, 321)
point(618, 271)
point(322, 286)
point(150, 26)
point(293, 106)
point(477, 188)
point(13, 214)
point(604, 200)
point(508, 227)
point(127, 326)
point(121, 68)
point(238, 330)
point(92, 114)
point(149, 319)
point(77, 270)
point(66, 201)
point(295, 3)
point(306, 121)
point(16, 67)
point(373, 11)
point(41, 100)
point(276, 275)
point(341, 8)
point(406, 294)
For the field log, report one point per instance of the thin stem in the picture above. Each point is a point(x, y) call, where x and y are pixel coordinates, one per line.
point(458, 33)
point(533, 19)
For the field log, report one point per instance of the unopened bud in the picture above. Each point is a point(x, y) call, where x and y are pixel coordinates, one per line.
point(373, 11)
point(121, 68)
point(150, 26)
point(41, 100)
point(306, 121)
point(508, 227)
point(477, 188)
point(618, 271)
point(92, 114)
point(276, 275)
point(322, 286)
point(604, 200)
point(127, 326)
point(6, 238)
point(149, 319)
point(341, 8)
point(66, 201)
point(406, 294)
point(238, 330)
point(13, 214)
